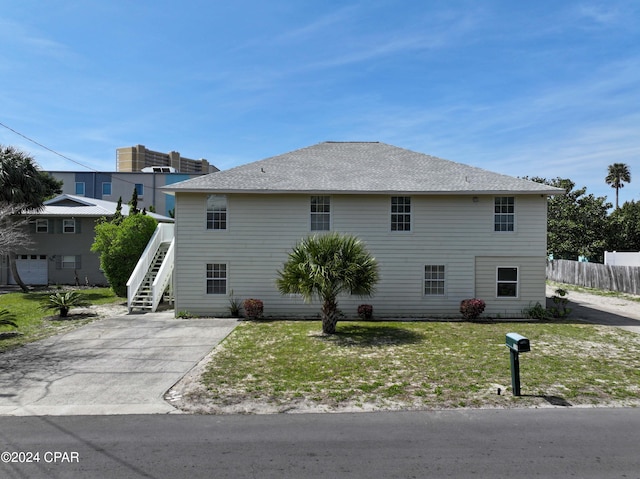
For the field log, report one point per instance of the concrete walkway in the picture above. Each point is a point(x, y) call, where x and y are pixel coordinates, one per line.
point(121, 365)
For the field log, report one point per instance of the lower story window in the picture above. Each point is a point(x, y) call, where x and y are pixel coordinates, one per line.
point(216, 278)
point(68, 262)
point(507, 282)
point(434, 280)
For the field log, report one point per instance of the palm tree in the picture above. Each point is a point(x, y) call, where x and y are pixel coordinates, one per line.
point(326, 266)
point(24, 186)
point(618, 172)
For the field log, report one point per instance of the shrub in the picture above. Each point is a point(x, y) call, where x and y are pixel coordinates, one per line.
point(7, 318)
point(365, 311)
point(472, 308)
point(560, 310)
point(535, 312)
point(63, 302)
point(234, 306)
point(253, 308)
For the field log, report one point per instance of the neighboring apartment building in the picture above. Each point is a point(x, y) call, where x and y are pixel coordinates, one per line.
point(136, 158)
point(111, 186)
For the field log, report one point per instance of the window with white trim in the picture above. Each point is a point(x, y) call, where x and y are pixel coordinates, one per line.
point(504, 213)
point(42, 225)
point(69, 225)
point(400, 213)
point(320, 213)
point(216, 212)
point(216, 278)
point(434, 280)
point(507, 282)
point(68, 262)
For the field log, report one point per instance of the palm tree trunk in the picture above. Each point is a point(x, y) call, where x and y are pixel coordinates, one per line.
point(15, 274)
point(329, 316)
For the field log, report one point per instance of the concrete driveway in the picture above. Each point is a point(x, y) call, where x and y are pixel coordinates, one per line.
point(121, 365)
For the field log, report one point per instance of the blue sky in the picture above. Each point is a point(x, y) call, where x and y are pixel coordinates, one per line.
point(537, 88)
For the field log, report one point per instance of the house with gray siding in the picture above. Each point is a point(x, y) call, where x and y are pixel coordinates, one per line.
point(441, 231)
point(62, 233)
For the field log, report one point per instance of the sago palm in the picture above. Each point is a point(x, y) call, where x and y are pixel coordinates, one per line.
point(618, 173)
point(325, 266)
point(63, 302)
point(7, 318)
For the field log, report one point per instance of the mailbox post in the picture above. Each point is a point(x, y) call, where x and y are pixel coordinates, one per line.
point(517, 344)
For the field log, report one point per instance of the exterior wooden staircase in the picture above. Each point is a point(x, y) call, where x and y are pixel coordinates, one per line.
point(151, 280)
point(143, 299)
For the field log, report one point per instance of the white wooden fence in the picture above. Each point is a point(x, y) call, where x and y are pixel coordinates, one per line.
point(625, 279)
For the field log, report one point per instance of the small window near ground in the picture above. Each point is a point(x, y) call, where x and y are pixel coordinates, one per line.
point(69, 226)
point(216, 212)
point(106, 189)
point(504, 217)
point(400, 213)
point(42, 226)
point(434, 280)
point(507, 283)
point(320, 213)
point(216, 278)
point(79, 188)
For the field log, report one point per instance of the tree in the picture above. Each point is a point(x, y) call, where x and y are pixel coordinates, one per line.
point(624, 228)
point(120, 247)
point(13, 233)
point(133, 203)
point(617, 174)
point(577, 223)
point(326, 266)
point(23, 186)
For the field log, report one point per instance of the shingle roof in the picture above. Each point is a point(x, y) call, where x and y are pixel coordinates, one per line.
point(359, 167)
point(80, 206)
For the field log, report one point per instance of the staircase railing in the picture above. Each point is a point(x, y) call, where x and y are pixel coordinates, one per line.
point(162, 234)
point(163, 277)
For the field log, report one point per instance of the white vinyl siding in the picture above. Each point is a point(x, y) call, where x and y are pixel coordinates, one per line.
point(445, 230)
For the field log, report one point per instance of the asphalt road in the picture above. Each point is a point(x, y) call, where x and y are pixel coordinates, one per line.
point(549, 443)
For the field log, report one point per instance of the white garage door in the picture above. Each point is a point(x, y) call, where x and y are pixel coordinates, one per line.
point(32, 269)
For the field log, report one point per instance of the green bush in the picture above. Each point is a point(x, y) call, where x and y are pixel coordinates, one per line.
point(120, 246)
point(63, 302)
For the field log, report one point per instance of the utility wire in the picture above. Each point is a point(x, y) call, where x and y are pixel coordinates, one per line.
point(61, 155)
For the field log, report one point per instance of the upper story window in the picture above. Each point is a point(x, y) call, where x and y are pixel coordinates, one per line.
point(400, 213)
point(106, 189)
point(139, 189)
point(504, 213)
point(320, 213)
point(216, 212)
point(80, 188)
point(42, 225)
point(69, 226)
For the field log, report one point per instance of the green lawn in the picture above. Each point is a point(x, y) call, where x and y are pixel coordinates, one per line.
point(421, 365)
point(34, 323)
